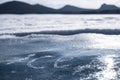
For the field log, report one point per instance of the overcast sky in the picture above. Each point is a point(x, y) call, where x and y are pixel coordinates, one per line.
point(79, 3)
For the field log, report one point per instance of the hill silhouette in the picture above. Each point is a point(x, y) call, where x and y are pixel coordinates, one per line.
point(17, 7)
point(72, 9)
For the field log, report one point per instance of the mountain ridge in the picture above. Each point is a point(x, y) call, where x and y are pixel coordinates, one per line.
point(18, 7)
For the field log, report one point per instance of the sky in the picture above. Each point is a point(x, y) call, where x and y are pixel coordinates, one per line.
point(79, 3)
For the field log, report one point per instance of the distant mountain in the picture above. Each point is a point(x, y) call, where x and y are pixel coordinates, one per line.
point(72, 9)
point(108, 7)
point(17, 7)
point(104, 9)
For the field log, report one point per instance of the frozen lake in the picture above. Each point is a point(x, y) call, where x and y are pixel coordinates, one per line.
point(37, 23)
point(59, 47)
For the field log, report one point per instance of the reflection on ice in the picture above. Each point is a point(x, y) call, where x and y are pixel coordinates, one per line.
point(108, 72)
point(100, 41)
